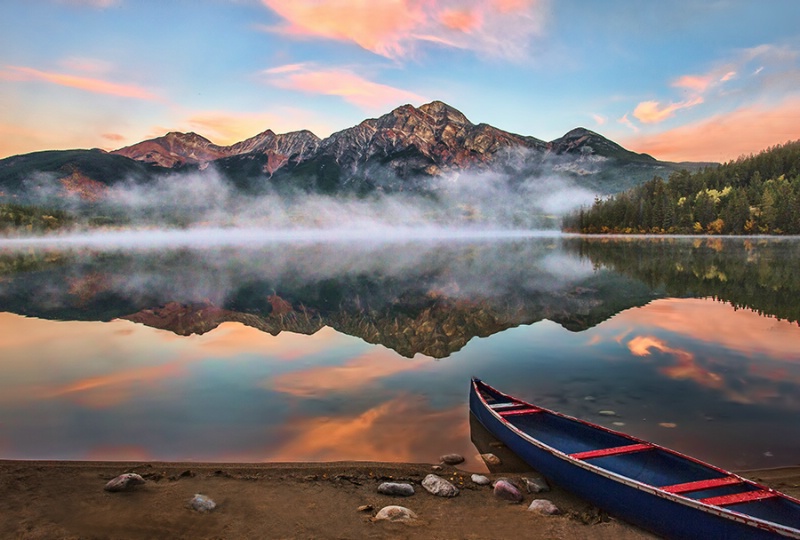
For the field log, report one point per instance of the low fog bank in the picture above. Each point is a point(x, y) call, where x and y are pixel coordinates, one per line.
point(467, 199)
point(475, 202)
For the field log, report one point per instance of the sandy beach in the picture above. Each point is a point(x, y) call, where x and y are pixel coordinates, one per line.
point(46, 500)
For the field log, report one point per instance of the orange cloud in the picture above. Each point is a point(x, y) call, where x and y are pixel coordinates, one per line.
point(97, 86)
point(463, 20)
point(345, 84)
point(113, 137)
point(357, 373)
point(391, 28)
point(376, 26)
point(726, 136)
point(651, 112)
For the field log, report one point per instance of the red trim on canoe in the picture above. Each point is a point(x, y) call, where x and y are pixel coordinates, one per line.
point(530, 410)
point(627, 449)
point(698, 485)
point(736, 498)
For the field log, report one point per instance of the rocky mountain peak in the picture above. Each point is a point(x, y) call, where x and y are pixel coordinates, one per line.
point(584, 142)
point(173, 149)
point(442, 112)
point(190, 137)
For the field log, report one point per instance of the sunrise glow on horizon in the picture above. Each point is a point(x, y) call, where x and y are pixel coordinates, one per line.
point(681, 81)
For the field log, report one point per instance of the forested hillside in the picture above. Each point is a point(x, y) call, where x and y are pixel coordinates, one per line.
point(752, 195)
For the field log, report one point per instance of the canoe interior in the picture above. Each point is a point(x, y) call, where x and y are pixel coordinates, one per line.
point(654, 466)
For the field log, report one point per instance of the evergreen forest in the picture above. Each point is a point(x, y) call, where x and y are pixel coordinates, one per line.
point(757, 194)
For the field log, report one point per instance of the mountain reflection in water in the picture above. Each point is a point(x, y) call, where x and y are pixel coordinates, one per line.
point(578, 325)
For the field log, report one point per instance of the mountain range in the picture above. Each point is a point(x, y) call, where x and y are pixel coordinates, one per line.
point(406, 149)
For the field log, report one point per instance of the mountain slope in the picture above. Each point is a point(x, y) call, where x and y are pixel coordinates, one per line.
point(57, 172)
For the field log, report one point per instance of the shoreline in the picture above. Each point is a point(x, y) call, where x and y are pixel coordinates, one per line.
point(65, 499)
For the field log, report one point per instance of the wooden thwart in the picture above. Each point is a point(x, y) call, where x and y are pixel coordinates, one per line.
point(736, 498)
point(506, 405)
point(603, 452)
point(702, 484)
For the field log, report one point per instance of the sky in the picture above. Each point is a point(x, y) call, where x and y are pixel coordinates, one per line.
point(680, 80)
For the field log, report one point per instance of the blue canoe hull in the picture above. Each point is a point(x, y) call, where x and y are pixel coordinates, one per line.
point(650, 511)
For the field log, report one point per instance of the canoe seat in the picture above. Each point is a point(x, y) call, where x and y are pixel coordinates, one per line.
point(527, 410)
point(617, 450)
point(506, 405)
point(736, 498)
point(699, 485)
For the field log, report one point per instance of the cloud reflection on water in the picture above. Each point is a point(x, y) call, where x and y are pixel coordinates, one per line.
point(404, 428)
point(374, 365)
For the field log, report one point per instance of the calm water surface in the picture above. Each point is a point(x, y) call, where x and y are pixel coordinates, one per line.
point(285, 352)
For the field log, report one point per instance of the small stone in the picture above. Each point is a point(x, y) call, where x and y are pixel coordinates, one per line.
point(438, 486)
point(452, 459)
point(202, 503)
point(535, 485)
point(437, 468)
point(481, 480)
point(124, 482)
point(186, 474)
point(490, 459)
point(543, 506)
point(607, 413)
point(396, 488)
point(365, 508)
point(668, 424)
point(507, 491)
point(395, 513)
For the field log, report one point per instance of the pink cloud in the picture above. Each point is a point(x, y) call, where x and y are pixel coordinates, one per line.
point(625, 121)
point(353, 88)
point(99, 4)
point(97, 86)
point(599, 119)
point(652, 112)
point(91, 66)
point(392, 28)
point(725, 136)
point(698, 83)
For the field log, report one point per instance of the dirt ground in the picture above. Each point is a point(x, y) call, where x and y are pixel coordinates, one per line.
point(66, 500)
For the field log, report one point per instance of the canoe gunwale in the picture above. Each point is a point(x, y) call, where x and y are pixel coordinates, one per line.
point(661, 492)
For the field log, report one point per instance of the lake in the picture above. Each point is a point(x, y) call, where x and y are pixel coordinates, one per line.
point(226, 346)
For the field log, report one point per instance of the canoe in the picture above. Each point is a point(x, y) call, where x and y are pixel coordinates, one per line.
point(655, 488)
